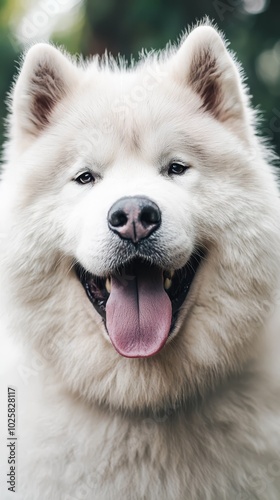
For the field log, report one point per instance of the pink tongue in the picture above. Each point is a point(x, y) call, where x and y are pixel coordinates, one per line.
point(138, 312)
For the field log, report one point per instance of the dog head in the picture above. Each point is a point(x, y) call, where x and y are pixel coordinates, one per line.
point(143, 221)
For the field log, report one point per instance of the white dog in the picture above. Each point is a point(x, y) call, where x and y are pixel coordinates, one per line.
point(140, 264)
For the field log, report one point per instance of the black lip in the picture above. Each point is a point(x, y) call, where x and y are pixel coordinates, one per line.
point(181, 283)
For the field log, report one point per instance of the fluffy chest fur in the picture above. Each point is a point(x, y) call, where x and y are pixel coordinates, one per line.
point(218, 448)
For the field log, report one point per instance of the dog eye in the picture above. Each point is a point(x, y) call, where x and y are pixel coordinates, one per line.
point(177, 168)
point(85, 178)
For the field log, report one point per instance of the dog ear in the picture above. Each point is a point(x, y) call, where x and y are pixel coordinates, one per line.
point(204, 63)
point(46, 77)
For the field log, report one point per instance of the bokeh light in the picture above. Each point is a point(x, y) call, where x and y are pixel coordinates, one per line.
point(268, 65)
point(255, 6)
point(41, 20)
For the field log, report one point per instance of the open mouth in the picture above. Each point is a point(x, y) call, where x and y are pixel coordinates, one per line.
point(140, 302)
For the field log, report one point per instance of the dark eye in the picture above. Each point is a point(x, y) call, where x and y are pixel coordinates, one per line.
point(85, 178)
point(177, 168)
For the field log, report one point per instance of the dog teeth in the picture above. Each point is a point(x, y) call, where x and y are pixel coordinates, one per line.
point(167, 283)
point(168, 274)
point(108, 285)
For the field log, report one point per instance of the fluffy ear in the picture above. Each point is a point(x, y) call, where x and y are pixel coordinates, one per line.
point(203, 63)
point(46, 77)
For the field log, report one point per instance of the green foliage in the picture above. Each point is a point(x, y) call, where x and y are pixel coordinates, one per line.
point(7, 65)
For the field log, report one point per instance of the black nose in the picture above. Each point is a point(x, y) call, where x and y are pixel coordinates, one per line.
point(134, 218)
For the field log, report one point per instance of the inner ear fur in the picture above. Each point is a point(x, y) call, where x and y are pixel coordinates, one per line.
point(46, 77)
point(204, 64)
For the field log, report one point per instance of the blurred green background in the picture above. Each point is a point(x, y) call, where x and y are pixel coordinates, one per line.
point(125, 26)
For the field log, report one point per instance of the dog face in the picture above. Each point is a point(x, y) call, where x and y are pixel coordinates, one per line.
point(142, 217)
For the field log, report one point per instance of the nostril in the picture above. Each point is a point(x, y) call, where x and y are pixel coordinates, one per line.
point(150, 215)
point(118, 218)
point(134, 218)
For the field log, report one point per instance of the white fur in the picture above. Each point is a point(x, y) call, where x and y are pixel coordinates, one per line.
point(201, 419)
